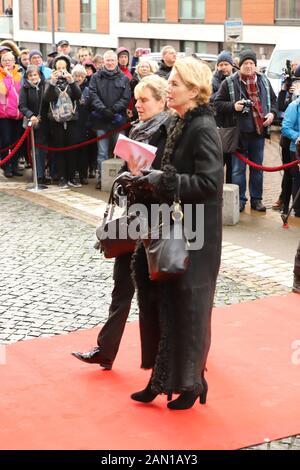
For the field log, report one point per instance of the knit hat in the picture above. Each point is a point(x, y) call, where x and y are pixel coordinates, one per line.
point(122, 50)
point(35, 52)
point(89, 63)
point(67, 60)
point(5, 48)
point(225, 56)
point(247, 54)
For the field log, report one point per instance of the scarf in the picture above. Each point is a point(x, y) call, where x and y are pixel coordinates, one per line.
point(257, 112)
point(142, 131)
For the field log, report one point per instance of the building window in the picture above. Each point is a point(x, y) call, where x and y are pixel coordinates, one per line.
point(234, 9)
point(88, 15)
point(42, 15)
point(61, 15)
point(156, 9)
point(192, 9)
point(190, 47)
point(287, 10)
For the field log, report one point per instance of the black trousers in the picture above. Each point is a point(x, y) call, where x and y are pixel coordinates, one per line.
point(61, 137)
point(111, 333)
point(287, 179)
point(297, 264)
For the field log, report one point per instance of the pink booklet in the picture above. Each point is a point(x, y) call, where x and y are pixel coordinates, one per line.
point(125, 148)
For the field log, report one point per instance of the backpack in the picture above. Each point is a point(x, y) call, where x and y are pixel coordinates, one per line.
point(63, 110)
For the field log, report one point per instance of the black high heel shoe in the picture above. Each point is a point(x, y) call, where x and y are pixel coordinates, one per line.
point(93, 357)
point(145, 396)
point(187, 399)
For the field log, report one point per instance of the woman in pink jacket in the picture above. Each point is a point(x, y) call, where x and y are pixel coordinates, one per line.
point(10, 116)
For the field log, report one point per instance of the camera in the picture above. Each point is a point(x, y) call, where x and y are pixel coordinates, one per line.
point(247, 105)
point(288, 75)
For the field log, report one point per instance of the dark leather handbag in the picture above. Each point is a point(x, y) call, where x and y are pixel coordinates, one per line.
point(113, 236)
point(168, 257)
point(230, 138)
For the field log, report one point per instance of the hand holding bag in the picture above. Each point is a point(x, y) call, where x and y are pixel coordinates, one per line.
point(168, 257)
point(113, 237)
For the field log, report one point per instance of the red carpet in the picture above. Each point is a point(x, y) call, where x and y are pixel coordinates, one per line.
point(49, 400)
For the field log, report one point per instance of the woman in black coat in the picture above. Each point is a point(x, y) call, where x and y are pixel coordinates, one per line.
point(175, 316)
point(63, 134)
point(33, 107)
point(151, 129)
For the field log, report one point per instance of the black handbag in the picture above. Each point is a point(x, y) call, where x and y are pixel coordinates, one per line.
point(230, 138)
point(113, 237)
point(168, 257)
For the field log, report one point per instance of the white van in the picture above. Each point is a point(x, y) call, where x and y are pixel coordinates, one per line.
point(282, 52)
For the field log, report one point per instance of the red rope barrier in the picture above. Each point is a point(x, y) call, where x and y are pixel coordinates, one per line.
point(265, 168)
point(17, 147)
point(86, 142)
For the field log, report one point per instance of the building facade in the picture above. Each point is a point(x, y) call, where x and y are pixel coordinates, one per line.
point(188, 25)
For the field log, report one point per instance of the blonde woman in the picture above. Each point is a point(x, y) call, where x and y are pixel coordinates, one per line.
point(175, 316)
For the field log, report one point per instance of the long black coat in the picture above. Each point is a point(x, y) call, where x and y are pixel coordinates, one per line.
point(175, 317)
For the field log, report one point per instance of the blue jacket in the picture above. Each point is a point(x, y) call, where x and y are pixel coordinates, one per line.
point(291, 123)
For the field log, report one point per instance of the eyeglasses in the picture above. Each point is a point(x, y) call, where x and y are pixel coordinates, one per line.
point(7, 60)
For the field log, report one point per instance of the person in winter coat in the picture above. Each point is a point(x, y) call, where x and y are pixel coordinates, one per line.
point(10, 116)
point(33, 107)
point(291, 130)
point(175, 316)
point(151, 128)
point(36, 58)
point(168, 54)
point(82, 153)
point(63, 132)
point(110, 95)
point(123, 61)
point(252, 105)
point(224, 69)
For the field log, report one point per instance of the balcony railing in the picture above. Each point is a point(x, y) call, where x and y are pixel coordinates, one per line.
point(42, 21)
point(88, 22)
point(6, 24)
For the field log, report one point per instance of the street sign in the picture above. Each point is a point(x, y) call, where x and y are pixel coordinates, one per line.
point(233, 30)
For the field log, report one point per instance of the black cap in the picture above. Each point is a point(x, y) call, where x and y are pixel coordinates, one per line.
point(63, 42)
point(52, 54)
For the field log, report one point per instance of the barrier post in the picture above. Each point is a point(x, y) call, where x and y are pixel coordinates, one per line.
point(36, 186)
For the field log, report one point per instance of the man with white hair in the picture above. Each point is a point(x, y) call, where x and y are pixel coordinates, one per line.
point(110, 95)
point(169, 56)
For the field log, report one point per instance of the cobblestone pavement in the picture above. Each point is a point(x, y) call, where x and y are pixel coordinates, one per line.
point(54, 282)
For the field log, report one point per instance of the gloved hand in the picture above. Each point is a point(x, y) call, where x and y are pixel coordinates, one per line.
point(118, 119)
point(107, 114)
point(149, 179)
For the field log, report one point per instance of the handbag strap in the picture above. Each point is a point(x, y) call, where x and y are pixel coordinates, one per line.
point(177, 214)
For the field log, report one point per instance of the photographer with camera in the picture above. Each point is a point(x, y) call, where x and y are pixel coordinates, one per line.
point(285, 97)
point(246, 99)
point(62, 94)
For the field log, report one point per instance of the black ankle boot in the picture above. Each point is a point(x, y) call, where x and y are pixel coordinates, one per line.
point(145, 396)
point(187, 399)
